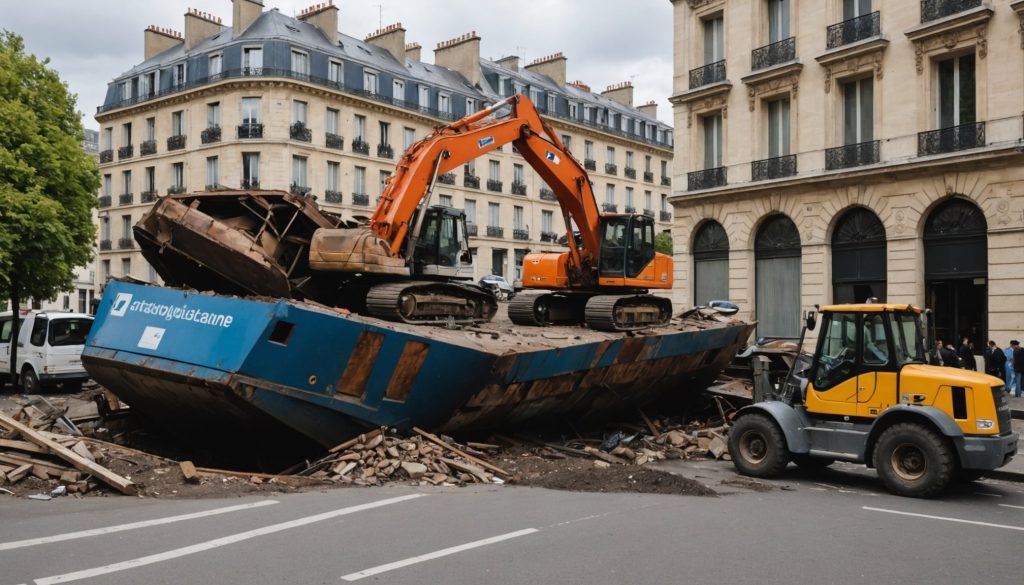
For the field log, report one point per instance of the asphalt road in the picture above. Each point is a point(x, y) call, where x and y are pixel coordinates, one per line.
point(834, 526)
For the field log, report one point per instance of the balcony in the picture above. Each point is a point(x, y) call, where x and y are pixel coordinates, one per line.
point(176, 142)
point(629, 172)
point(494, 185)
point(853, 30)
point(147, 148)
point(446, 179)
point(666, 181)
point(773, 168)
point(210, 135)
point(250, 183)
point(630, 209)
point(360, 199)
point(300, 190)
point(385, 151)
point(951, 139)
point(299, 131)
point(125, 243)
point(649, 213)
point(106, 245)
point(148, 196)
point(334, 141)
point(547, 194)
point(706, 179)
point(125, 152)
point(610, 207)
point(518, 188)
point(648, 176)
point(472, 230)
point(665, 216)
point(551, 237)
point(773, 54)
point(494, 231)
point(105, 201)
point(176, 189)
point(125, 199)
point(250, 131)
point(708, 74)
point(520, 234)
point(590, 164)
point(936, 9)
point(332, 196)
point(611, 168)
point(471, 181)
point(106, 156)
point(360, 146)
point(852, 155)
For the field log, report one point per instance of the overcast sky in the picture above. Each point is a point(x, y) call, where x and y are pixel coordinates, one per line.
point(90, 42)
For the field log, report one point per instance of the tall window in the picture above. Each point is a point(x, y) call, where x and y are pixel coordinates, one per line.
point(108, 138)
point(385, 133)
point(370, 82)
point(408, 137)
point(126, 266)
point(629, 197)
point(957, 95)
point(250, 169)
point(552, 102)
point(567, 142)
point(178, 175)
point(331, 121)
point(778, 20)
point(299, 112)
point(300, 62)
point(424, 96)
point(445, 200)
point(299, 171)
point(858, 111)
point(470, 105)
point(359, 127)
point(664, 202)
point(714, 40)
point(648, 200)
point(629, 159)
point(149, 83)
point(150, 180)
point(493, 214)
point(778, 128)
point(712, 141)
point(398, 90)
point(547, 219)
point(588, 150)
point(855, 8)
point(444, 104)
point(647, 163)
point(359, 181)
point(383, 181)
point(250, 111)
point(215, 65)
point(495, 169)
point(518, 175)
point(573, 110)
point(150, 128)
point(213, 114)
point(470, 211)
point(212, 172)
point(126, 226)
point(177, 123)
point(333, 175)
point(609, 194)
point(517, 217)
point(334, 71)
point(252, 60)
point(126, 181)
point(126, 134)
point(105, 229)
point(107, 185)
point(178, 75)
point(611, 155)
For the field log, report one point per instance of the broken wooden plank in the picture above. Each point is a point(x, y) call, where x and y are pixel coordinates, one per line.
point(650, 425)
point(18, 460)
point(22, 446)
point(114, 480)
point(433, 439)
point(188, 470)
point(16, 475)
point(363, 438)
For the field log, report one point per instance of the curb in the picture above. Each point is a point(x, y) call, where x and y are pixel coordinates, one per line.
point(1014, 476)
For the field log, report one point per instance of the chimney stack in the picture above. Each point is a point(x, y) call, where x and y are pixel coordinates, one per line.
point(552, 66)
point(199, 26)
point(580, 85)
point(156, 40)
point(413, 52)
point(323, 16)
point(621, 93)
point(650, 109)
point(391, 38)
point(461, 54)
point(510, 62)
point(244, 13)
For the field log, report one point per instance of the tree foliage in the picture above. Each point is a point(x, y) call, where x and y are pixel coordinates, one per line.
point(663, 243)
point(48, 183)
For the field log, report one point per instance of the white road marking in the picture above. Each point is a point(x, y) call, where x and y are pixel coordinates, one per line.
point(1010, 506)
point(947, 519)
point(131, 526)
point(436, 554)
point(218, 542)
point(991, 495)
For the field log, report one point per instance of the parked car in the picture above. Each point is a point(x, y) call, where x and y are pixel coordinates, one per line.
point(50, 348)
point(499, 286)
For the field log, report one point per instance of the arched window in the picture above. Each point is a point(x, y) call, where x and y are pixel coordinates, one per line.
point(710, 264)
point(858, 257)
point(956, 271)
point(777, 254)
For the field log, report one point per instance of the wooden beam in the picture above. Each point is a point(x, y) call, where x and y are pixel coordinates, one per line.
point(114, 480)
point(23, 446)
point(460, 453)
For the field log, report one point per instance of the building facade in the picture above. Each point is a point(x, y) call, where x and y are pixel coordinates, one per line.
point(290, 103)
point(839, 150)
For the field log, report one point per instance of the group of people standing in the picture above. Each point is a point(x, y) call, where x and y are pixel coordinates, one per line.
point(1007, 364)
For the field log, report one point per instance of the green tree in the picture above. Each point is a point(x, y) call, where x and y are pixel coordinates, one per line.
point(48, 183)
point(663, 243)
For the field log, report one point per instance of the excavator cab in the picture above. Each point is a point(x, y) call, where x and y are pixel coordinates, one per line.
point(627, 245)
point(442, 248)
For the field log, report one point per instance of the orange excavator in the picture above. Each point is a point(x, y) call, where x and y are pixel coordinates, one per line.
point(408, 262)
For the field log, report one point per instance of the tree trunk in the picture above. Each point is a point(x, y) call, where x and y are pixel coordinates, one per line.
point(15, 332)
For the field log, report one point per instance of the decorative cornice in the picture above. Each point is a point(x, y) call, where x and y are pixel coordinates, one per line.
point(712, 90)
point(789, 69)
point(710, 104)
point(946, 33)
point(695, 4)
point(852, 65)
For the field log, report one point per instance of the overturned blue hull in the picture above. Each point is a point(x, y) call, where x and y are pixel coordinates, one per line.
point(202, 363)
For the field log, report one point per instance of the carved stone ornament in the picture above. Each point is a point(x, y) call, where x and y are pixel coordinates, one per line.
point(695, 4)
point(949, 41)
point(852, 66)
point(710, 104)
point(792, 83)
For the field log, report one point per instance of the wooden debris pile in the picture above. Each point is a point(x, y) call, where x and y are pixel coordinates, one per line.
point(376, 458)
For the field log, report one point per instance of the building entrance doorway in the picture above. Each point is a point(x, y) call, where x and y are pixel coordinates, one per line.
point(777, 266)
point(956, 272)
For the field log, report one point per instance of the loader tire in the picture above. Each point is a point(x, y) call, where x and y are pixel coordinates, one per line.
point(757, 446)
point(913, 460)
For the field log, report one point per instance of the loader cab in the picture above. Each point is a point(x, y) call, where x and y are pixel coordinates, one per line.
point(627, 245)
point(442, 248)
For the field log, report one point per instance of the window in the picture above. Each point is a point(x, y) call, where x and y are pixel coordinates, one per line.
point(470, 211)
point(445, 200)
point(778, 128)
point(778, 20)
point(517, 218)
point(647, 163)
point(299, 171)
point(957, 94)
point(126, 226)
point(177, 123)
point(471, 105)
point(333, 174)
point(547, 218)
point(424, 96)
point(215, 65)
point(300, 62)
point(178, 75)
point(503, 86)
point(370, 82)
point(573, 110)
point(212, 172)
point(469, 169)
point(493, 214)
point(664, 168)
point(588, 150)
point(299, 112)
point(858, 111)
point(855, 8)
point(624, 123)
point(611, 155)
point(609, 194)
point(126, 181)
point(664, 202)
point(383, 181)
point(874, 342)
point(331, 121)
point(150, 178)
point(552, 102)
point(250, 168)
point(567, 142)
point(648, 200)
point(629, 197)
point(149, 83)
point(107, 185)
point(408, 137)
point(629, 159)
point(178, 175)
point(126, 266)
point(836, 361)
point(714, 40)
point(444, 104)
point(385, 133)
point(250, 111)
point(105, 229)
point(150, 128)
point(334, 71)
point(108, 138)
point(252, 60)
point(126, 91)
point(495, 170)
point(398, 90)
point(517, 174)
point(359, 127)
point(712, 142)
point(359, 181)
point(126, 135)
point(213, 114)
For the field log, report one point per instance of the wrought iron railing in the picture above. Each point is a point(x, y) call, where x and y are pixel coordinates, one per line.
point(630, 209)
point(936, 9)
point(335, 141)
point(105, 201)
point(125, 152)
point(385, 151)
point(125, 243)
point(610, 207)
point(300, 190)
point(147, 147)
point(520, 234)
point(547, 194)
point(446, 178)
point(611, 168)
point(210, 135)
point(590, 164)
point(705, 179)
point(494, 185)
point(773, 168)
point(175, 189)
point(951, 139)
point(518, 188)
point(176, 142)
point(853, 30)
point(148, 196)
point(629, 172)
point(494, 231)
point(125, 199)
point(472, 230)
point(332, 196)
point(106, 245)
point(708, 74)
point(666, 181)
point(649, 213)
point(665, 216)
point(649, 176)
point(852, 155)
point(471, 181)
point(250, 131)
point(360, 146)
point(299, 131)
point(361, 199)
point(773, 54)
point(106, 156)
point(250, 183)
point(548, 236)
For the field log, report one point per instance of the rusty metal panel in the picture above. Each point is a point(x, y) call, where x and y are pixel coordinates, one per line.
point(631, 348)
point(360, 364)
point(413, 356)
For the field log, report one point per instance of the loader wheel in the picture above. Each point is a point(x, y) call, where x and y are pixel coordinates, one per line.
point(757, 446)
point(913, 460)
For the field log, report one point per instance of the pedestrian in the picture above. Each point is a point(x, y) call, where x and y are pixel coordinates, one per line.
point(966, 354)
point(935, 355)
point(1011, 375)
point(1018, 366)
point(995, 360)
point(948, 355)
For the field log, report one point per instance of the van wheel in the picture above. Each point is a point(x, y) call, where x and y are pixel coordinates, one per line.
point(913, 460)
point(29, 381)
point(757, 446)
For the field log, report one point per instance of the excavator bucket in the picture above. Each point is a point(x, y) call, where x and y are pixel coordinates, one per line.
point(356, 250)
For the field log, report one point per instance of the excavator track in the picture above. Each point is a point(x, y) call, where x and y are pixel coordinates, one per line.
point(426, 302)
point(537, 310)
point(627, 312)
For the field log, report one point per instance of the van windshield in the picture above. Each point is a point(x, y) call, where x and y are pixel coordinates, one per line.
point(69, 331)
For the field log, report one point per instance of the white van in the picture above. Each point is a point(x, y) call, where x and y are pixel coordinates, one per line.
point(50, 348)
